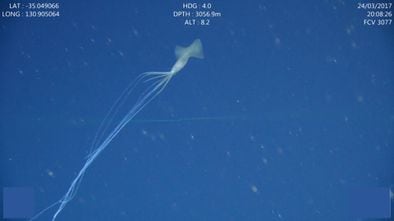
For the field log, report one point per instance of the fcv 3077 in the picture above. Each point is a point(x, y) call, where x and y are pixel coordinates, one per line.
point(372, 22)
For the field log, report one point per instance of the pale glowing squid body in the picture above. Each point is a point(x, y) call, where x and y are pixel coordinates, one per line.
point(153, 84)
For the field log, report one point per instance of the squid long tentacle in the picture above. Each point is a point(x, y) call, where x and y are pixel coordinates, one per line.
point(156, 82)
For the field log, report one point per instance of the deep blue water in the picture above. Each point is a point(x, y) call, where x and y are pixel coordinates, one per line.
point(292, 106)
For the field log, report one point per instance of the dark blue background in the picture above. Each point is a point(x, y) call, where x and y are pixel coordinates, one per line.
point(299, 97)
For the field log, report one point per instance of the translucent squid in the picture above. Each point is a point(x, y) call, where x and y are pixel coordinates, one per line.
point(153, 84)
